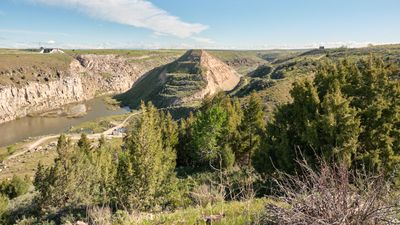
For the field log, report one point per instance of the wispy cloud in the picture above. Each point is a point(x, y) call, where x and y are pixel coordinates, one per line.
point(2, 13)
point(326, 44)
point(13, 31)
point(203, 40)
point(137, 13)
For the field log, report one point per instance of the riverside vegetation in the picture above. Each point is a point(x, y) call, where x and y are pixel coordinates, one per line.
point(333, 149)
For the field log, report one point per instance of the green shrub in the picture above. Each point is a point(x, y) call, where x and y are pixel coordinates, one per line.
point(121, 218)
point(3, 204)
point(26, 221)
point(14, 188)
point(228, 157)
point(11, 149)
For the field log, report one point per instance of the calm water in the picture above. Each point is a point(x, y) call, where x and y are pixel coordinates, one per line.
point(21, 129)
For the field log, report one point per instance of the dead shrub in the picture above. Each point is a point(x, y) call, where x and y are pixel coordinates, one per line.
point(99, 215)
point(331, 194)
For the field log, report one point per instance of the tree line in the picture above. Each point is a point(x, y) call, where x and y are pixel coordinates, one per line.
point(348, 114)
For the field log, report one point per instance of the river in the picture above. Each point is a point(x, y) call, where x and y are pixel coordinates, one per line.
point(23, 128)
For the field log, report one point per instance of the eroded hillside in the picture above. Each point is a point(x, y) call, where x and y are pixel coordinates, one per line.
point(184, 81)
point(32, 83)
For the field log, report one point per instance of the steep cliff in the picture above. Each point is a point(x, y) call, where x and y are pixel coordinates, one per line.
point(186, 80)
point(36, 86)
point(20, 101)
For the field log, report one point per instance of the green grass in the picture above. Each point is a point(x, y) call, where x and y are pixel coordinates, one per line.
point(247, 61)
point(99, 125)
point(238, 213)
point(242, 61)
point(20, 68)
point(122, 52)
point(15, 51)
point(26, 164)
point(4, 153)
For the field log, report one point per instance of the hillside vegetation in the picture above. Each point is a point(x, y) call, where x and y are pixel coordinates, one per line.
point(186, 80)
point(19, 68)
point(306, 137)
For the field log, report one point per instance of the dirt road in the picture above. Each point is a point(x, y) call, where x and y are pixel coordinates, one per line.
point(40, 141)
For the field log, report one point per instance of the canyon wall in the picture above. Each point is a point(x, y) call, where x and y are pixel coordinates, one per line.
point(88, 76)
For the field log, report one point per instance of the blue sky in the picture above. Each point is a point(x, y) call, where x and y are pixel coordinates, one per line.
point(224, 24)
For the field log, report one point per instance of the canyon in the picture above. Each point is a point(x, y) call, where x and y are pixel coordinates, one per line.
point(37, 87)
point(36, 84)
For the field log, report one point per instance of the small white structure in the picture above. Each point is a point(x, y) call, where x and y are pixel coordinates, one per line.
point(50, 50)
point(119, 131)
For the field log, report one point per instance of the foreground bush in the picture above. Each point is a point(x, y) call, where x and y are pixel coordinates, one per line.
point(334, 195)
point(223, 213)
point(14, 187)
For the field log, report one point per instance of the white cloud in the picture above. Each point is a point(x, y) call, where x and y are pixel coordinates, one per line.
point(203, 40)
point(51, 42)
point(29, 32)
point(137, 13)
point(326, 44)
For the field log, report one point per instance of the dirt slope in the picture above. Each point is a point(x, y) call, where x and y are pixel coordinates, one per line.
point(184, 81)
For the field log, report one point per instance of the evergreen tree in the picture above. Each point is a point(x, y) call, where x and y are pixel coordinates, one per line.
point(251, 129)
point(150, 160)
point(349, 114)
point(63, 146)
point(185, 153)
point(338, 128)
point(84, 143)
point(123, 181)
point(169, 133)
point(102, 141)
point(76, 177)
point(231, 140)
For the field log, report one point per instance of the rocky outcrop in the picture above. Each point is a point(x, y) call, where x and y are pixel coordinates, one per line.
point(113, 73)
point(219, 77)
point(190, 78)
point(20, 101)
point(87, 77)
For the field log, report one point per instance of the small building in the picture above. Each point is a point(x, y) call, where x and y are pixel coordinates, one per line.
point(321, 47)
point(119, 131)
point(50, 50)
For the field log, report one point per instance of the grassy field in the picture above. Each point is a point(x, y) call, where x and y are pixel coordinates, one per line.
point(99, 125)
point(18, 67)
point(26, 164)
point(122, 52)
point(238, 213)
point(242, 61)
point(21, 68)
point(220, 213)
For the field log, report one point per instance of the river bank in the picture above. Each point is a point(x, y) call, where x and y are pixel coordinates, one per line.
point(23, 128)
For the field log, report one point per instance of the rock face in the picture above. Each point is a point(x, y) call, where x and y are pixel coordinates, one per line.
point(186, 80)
point(87, 77)
point(19, 102)
point(219, 77)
